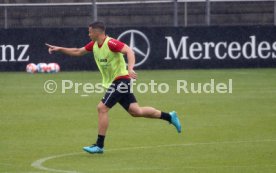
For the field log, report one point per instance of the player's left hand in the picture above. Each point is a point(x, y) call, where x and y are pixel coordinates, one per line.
point(132, 74)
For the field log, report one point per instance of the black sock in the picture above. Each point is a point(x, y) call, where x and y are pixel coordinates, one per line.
point(165, 116)
point(100, 141)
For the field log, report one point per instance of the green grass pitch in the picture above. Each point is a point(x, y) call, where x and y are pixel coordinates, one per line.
point(229, 133)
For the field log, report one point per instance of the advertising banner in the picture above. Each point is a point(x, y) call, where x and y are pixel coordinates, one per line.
point(154, 47)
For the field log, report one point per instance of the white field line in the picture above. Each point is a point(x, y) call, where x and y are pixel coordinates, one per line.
point(39, 163)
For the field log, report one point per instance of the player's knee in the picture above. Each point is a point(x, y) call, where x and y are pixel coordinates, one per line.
point(102, 108)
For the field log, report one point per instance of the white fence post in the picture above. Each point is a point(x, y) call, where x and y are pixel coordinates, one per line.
point(185, 14)
point(95, 10)
point(208, 12)
point(6, 17)
point(175, 23)
point(274, 12)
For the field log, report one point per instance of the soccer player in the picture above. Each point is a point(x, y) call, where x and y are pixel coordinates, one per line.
point(108, 54)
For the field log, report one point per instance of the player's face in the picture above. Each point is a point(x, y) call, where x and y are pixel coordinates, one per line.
point(93, 34)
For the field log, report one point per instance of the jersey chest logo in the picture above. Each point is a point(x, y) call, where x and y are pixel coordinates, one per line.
point(103, 61)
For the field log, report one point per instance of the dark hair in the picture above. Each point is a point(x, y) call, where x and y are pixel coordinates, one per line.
point(98, 25)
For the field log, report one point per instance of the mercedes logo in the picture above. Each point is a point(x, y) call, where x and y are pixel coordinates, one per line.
point(139, 43)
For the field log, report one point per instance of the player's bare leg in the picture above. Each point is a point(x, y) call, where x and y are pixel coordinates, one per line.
point(102, 118)
point(102, 128)
point(149, 112)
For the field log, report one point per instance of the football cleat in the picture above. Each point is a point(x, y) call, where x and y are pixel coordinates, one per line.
point(175, 121)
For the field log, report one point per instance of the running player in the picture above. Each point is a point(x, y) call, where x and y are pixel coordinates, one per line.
point(108, 54)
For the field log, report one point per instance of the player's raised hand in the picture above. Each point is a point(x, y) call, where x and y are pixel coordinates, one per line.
point(52, 48)
point(132, 74)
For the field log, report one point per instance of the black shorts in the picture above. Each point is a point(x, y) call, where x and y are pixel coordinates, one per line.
point(119, 91)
